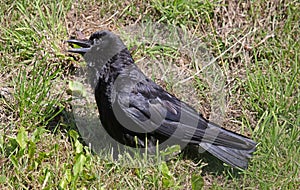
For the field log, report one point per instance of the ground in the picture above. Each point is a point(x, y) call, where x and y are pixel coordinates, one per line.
point(255, 45)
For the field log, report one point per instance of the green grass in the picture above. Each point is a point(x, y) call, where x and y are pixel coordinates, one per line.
point(257, 48)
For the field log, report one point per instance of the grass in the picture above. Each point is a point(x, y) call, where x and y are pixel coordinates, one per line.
point(256, 46)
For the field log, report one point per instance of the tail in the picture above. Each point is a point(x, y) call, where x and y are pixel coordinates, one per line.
point(230, 147)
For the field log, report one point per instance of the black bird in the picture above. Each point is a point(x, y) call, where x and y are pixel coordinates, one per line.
point(133, 107)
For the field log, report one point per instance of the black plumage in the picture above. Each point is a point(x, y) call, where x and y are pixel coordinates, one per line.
point(133, 107)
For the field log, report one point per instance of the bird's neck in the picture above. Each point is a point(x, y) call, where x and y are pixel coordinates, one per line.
point(112, 67)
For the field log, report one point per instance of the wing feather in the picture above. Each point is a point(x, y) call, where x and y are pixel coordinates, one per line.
point(153, 110)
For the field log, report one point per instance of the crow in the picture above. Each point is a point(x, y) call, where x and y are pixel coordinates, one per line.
point(135, 111)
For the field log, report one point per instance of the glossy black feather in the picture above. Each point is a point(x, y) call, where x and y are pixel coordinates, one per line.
point(131, 105)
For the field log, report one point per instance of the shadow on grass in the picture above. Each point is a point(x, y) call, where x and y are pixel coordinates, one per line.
point(214, 166)
point(65, 121)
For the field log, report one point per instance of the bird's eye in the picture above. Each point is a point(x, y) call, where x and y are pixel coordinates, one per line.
point(97, 41)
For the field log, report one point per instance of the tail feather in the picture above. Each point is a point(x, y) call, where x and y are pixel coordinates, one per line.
point(228, 146)
point(232, 156)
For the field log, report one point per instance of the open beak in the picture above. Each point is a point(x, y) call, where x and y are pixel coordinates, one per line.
point(84, 44)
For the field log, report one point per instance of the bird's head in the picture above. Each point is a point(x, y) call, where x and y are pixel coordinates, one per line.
point(97, 51)
point(99, 48)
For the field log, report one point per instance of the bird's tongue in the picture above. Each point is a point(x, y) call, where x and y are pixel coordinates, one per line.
point(84, 44)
